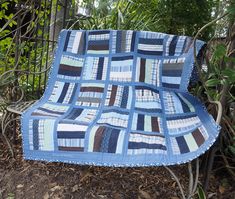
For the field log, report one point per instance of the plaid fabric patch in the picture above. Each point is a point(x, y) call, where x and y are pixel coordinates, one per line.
point(75, 42)
point(147, 99)
point(70, 67)
point(189, 142)
point(121, 69)
point(70, 136)
point(114, 118)
point(119, 96)
point(148, 123)
point(182, 124)
point(50, 110)
point(172, 70)
point(176, 103)
point(81, 115)
point(41, 134)
point(140, 143)
point(98, 42)
point(95, 68)
point(123, 41)
point(90, 94)
point(63, 92)
point(175, 45)
point(151, 43)
point(148, 71)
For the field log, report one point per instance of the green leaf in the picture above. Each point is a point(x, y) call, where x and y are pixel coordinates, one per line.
point(212, 82)
point(220, 51)
point(5, 5)
point(11, 196)
point(200, 192)
point(39, 32)
point(229, 74)
point(211, 75)
point(231, 9)
point(232, 149)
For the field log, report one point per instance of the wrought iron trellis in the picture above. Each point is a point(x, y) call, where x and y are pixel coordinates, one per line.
point(38, 25)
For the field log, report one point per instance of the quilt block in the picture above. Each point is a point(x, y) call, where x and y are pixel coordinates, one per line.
point(119, 98)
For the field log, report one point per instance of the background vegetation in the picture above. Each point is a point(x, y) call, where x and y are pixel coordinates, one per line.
point(28, 30)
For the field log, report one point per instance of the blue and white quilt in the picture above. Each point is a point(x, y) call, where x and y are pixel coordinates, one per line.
point(119, 98)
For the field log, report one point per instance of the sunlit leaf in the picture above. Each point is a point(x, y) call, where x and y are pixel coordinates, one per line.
point(212, 82)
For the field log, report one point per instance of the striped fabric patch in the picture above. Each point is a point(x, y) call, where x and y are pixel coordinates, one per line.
point(123, 41)
point(150, 43)
point(98, 42)
point(177, 45)
point(148, 123)
point(119, 96)
point(50, 110)
point(147, 99)
point(70, 136)
point(189, 142)
point(75, 42)
point(182, 124)
point(114, 118)
point(142, 143)
point(81, 115)
point(90, 94)
point(121, 69)
point(95, 68)
point(41, 134)
point(70, 67)
point(172, 72)
point(63, 92)
point(176, 103)
point(106, 140)
point(148, 71)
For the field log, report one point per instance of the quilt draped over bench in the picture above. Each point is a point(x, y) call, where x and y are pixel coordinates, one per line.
point(119, 98)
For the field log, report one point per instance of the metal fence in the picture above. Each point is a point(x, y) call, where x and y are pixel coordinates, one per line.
point(34, 36)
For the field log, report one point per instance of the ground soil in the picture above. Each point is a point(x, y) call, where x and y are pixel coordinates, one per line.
point(20, 179)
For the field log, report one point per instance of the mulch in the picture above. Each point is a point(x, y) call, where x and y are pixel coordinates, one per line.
point(21, 179)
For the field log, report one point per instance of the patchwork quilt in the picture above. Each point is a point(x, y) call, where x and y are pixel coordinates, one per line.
point(119, 98)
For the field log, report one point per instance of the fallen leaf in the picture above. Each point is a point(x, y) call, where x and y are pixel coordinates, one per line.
point(211, 195)
point(51, 185)
point(145, 194)
point(117, 196)
point(88, 174)
point(221, 189)
point(173, 185)
point(75, 188)
point(19, 186)
point(57, 187)
point(46, 196)
point(142, 176)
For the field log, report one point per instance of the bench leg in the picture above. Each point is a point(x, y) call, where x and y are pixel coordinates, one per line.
point(14, 129)
point(193, 182)
point(7, 119)
point(208, 167)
